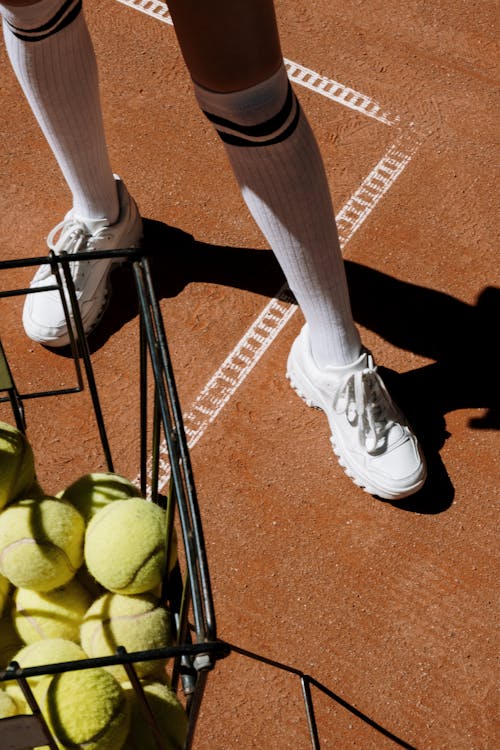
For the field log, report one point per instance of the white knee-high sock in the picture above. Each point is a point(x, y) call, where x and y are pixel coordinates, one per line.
point(277, 163)
point(53, 58)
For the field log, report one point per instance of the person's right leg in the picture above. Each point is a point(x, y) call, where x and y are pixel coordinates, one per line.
point(51, 53)
point(52, 56)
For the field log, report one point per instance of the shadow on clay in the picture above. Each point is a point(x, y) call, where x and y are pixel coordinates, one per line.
point(308, 682)
point(427, 322)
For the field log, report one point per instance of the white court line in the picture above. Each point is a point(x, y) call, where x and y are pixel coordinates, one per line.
point(252, 346)
point(152, 8)
point(339, 93)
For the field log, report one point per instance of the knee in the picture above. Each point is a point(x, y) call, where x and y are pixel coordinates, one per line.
point(31, 14)
point(258, 116)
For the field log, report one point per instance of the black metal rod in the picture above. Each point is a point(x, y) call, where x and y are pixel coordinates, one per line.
point(35, 709)
point(145, 302)
point(8, 386)
point(145, 707)
point(44, 394)
point(143, 401)
point(155, 446)
point(319, 686)
point(85, 354)
point(72, 340)
point(309, 706)
point(203, 575)
point(129, 253)
point(216, 649)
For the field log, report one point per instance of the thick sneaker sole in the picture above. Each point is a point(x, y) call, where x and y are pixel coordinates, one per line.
point(89, 322)
point(92, 317)
point(302, 385)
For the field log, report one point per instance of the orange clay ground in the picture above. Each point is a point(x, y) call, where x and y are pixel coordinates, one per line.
point(392, 608)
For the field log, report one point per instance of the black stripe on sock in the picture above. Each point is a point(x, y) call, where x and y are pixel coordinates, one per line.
point(58, 22)
point(262, 129)
point(235, 140)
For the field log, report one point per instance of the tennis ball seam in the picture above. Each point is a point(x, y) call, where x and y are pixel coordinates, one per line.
point(157, 550)
point(100, 625)
point(38, 544)
point(32, 621)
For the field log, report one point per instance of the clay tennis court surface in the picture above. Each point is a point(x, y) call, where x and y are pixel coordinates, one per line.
point(392, 608)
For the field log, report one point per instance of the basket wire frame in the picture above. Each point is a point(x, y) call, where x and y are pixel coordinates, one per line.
point(189, 598)
point(187, 595)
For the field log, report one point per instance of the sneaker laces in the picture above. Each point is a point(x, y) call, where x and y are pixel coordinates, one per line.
point(71, 236)
point(362, 397)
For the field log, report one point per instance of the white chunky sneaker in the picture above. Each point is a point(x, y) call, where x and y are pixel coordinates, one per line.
point(371, 437)
point(43, 315)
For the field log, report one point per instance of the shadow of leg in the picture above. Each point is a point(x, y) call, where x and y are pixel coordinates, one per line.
point(413, 392)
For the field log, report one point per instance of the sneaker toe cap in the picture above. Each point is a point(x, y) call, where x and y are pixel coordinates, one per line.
point(400, 471)
point(44, 321)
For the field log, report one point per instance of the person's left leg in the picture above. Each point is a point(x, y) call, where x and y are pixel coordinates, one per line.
point(233, 54)
point(232, 51)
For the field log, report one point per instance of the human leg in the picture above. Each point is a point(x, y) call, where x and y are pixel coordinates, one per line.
point(232, 52)
point(53, 58)
point(51, 53)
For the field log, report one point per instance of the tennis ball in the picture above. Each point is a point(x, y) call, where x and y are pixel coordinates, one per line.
point(168, 712)
point(125, 548)
point(48, 651)
point(136, 622)
point(38, 654)
point(85, 709)
point(41, 543)
point(10, 642)
point(17, 464)
point(4, 591)
point(52, 614)
point(8, 706)
point(94, 491)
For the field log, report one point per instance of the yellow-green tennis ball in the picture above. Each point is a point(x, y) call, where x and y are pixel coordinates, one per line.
point(85, 709)
point(125, 546)
point(136, 622)
point(169, 714)
point(94, 491)
point(38, 654)
point(41, 543)
point(48, 651)
point(17, 464)
point(8, 706)
point(51, 614)
point(10, 641)
point(4, 592)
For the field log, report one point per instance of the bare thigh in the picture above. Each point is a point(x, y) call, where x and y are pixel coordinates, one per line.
point(228, 45)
